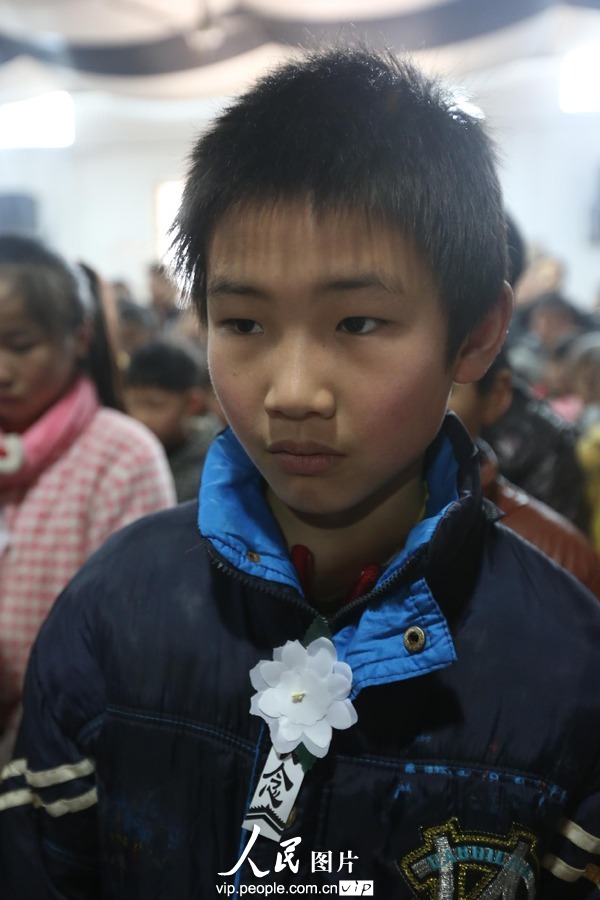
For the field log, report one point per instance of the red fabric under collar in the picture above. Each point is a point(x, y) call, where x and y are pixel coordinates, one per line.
point(304, 564)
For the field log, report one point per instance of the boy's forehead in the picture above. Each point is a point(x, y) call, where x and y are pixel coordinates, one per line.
point(330, 242)
point(261, 224)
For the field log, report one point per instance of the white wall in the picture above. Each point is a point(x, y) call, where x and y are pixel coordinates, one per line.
point(551, 176)
point(96, 202)
point(550, 166)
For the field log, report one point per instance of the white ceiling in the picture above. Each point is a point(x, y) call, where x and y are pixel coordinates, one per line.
point(134, 63)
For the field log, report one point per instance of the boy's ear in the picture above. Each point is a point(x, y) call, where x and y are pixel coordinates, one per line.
point(195, 402)
point(481, 346)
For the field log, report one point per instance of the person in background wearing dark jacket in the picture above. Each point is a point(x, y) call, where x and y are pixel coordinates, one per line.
point(534, 447)
point(338, 669)
point(482, 404)
point(167, 388)
point(536, 451)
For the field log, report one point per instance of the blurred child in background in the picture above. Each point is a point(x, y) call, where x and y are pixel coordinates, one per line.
point(535, 449)
point(136, 325)
point(72, 469)
point(168, 389)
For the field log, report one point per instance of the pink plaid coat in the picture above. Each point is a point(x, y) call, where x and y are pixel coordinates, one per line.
point(113, 473)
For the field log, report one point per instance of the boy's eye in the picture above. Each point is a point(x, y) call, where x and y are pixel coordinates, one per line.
point(243, 326)
point(359, 324)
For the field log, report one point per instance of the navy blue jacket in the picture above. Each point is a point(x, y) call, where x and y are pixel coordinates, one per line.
point(472, 773)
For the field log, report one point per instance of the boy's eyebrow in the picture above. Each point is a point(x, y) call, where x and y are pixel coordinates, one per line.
point(229, 286)
point(342, 283)
point(371, 279)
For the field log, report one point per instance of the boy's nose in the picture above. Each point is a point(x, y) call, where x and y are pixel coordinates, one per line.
point(300, 386)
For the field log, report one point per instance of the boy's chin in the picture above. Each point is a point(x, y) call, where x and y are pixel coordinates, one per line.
point(312, 509)
point(317, 512)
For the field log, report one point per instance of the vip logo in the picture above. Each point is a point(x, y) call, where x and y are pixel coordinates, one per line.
point(461, 865)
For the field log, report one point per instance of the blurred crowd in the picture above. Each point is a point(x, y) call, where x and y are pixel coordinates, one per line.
point(162, 358)
point(553, 355)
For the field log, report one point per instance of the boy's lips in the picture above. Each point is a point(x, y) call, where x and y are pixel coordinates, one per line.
point(304, 457)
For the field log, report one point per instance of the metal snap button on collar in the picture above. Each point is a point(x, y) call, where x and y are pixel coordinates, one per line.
point(414, 639)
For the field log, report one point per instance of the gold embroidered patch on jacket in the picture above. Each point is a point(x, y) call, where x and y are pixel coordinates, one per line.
point(452, 864)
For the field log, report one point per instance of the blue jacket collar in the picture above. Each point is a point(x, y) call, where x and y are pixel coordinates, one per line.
point(235, 518)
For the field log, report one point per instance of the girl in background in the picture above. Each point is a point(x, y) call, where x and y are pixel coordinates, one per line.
point(73, 468)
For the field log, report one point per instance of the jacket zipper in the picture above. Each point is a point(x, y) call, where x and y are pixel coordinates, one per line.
point(266, 587)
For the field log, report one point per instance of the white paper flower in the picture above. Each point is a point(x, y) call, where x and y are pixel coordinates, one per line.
point(302, 694)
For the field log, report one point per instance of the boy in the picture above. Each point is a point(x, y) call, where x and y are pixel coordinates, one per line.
point(166, 388)
point(343, 234)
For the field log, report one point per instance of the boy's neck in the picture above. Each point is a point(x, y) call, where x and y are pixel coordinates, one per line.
point(341, 551)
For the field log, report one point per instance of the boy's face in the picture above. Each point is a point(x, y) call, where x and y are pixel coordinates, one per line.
point(327, 350)
point(166, 413)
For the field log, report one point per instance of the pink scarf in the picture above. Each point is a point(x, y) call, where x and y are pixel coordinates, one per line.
point(24, 456)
